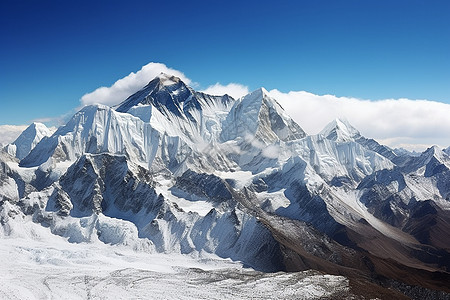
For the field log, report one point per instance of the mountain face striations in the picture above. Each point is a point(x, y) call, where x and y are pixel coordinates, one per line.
point(176, 171)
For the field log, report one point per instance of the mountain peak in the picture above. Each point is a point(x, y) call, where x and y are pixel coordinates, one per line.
point(434, 151)
point(164, 92)
point(28, 139)
point(260, 116)
point(434, 159)
point(32, 131)
point(36, 128)
point(447, 150)
point(260, 92)
point(340, 130)
point(167, 79)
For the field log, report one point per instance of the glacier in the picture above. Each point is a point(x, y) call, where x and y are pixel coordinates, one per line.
point(215, 187)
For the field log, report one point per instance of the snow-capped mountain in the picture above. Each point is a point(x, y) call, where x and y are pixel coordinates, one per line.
point(342, 131)
point(28, 139)
point(258, 116)
point(175, 171)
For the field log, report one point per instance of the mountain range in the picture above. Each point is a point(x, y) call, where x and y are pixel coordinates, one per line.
point(175, 171)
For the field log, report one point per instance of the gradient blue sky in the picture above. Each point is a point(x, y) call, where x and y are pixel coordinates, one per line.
point(53, 52)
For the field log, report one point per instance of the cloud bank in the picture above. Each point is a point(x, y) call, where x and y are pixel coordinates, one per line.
point(412, 124)
point(235, 90)
point(130, 84)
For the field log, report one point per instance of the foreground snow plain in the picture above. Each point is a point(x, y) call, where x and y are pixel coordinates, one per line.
point(36, 264)
point(33, 269)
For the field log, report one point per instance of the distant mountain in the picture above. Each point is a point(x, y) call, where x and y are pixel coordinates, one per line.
point(28, 139)
point(447, 150)
point(258, 116)
point(342, 131)
point(176, 171)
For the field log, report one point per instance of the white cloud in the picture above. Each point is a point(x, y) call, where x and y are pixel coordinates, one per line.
point(235, 90)
point(412, 124)
point(130, 84)
point(271, 151)
point(9, 133)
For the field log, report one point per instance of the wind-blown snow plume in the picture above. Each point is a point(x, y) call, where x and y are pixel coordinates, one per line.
point(130, 84)
point(235, 90)
point(396, 122)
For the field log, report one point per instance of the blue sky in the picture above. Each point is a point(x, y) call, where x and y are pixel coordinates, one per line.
point(54, 52)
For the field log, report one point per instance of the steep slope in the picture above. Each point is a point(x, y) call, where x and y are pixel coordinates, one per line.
point(9, 191)
point(339, 162)
point(342, 131)
point(430, 162)
point(255, 130)
point(18, 182)
point(169, 105)
point(172, 170)
point(165, 125)
point(414, 197)
point(113, 187)
point(27, 140)
point(258, 116)
point(100, 129)
point(96, 129)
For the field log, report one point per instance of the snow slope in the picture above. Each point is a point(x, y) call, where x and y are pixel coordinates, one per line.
point(56, 269)
point(27, 140)
point(198, 182)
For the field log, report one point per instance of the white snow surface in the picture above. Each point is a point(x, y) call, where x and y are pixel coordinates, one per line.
point(28, 139)
point(334, 159)
point(340, 130)
point(38, 270)
point(259, 116)
point(187, 202)
point(39, 265)
point(121, 253)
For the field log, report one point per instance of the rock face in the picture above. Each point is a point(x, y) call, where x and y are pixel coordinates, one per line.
point(173, 170)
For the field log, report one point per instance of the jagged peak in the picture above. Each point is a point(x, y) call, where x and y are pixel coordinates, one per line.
point(434, 151)
point(253, 102)
point(263, 91)
point(32, 131)
point(164, 90)
point(340, 130)
point(402, 151)
point(28, 139)
point(91, 109)
point(95, 106)
point(160, 82)
point(447, 150)
point(258, 93)
point(433, 154)
point(167, 79)
point(37, 125)
point(88, 112)
point(261, 116)
point(258, 97)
